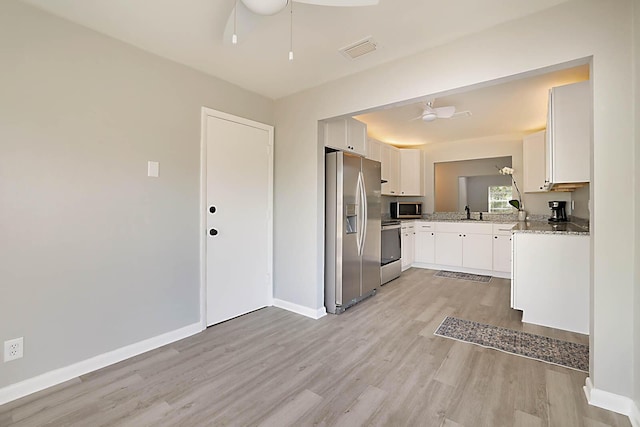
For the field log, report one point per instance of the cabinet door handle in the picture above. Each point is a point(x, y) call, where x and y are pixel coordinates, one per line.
point(213, 232)
point(495, 237)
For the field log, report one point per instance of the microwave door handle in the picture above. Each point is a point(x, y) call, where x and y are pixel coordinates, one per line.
point(365, 220)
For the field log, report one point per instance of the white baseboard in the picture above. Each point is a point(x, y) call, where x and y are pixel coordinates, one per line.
point(612, 402)
point(58, 376)
point(300, 309)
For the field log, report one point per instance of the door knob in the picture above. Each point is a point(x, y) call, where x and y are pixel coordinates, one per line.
point(212, 209)
point(213, 231)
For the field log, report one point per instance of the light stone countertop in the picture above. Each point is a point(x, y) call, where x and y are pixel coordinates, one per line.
point(529, 226)
point(544, 227)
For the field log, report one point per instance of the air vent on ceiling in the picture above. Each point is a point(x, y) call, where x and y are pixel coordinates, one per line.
point(358, 49)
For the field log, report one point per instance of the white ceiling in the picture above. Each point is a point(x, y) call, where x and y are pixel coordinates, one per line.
point(517, 107)
point(190, 32)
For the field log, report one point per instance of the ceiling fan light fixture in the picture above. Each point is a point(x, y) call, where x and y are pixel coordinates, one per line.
point(265, 7)
point(429, 116)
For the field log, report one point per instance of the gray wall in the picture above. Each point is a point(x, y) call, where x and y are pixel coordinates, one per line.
point(95, 255)
point(597, 29)
point(580, 199)
point(446, 180)
point(478, 191)
point(493, 146)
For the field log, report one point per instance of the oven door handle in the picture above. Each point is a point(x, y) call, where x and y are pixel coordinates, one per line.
point(390, 227)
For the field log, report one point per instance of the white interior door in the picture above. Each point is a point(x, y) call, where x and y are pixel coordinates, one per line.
point(239, 192)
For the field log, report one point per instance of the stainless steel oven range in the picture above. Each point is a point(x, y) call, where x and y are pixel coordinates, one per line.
point(391, 265)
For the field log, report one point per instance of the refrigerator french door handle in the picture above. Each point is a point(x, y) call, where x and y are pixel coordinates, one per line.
point(359, 219)
point(364, 221)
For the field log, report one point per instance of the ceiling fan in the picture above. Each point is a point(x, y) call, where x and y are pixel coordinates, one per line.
point(248, 13)
point(431, 113)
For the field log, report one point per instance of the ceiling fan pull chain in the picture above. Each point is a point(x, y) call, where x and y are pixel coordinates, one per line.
point(234, 37)
point(291, 32)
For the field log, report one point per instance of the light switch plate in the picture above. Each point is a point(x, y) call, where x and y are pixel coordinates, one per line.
point(153, 169)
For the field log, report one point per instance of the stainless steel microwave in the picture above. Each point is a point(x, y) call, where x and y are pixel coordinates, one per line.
point(401, 210)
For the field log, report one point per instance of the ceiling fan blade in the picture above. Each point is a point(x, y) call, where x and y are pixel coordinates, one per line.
point(344, 3)
point(445, 112)
point(246, 21)
point(465, 113)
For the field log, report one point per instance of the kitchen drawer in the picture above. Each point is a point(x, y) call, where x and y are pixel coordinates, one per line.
point(425, 226)
point(502, 229)
point(464, 227)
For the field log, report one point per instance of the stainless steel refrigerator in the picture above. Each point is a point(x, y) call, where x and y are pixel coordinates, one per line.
point(352, 230)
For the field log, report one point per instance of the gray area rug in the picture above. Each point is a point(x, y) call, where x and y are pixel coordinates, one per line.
point(550, 350)
point(463, 276)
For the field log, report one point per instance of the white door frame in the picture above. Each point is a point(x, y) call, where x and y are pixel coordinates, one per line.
point(206, 113)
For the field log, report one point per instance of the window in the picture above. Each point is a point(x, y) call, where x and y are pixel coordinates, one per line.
point(499, 197)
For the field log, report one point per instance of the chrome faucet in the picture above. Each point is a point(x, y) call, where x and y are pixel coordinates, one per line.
point(466, 208)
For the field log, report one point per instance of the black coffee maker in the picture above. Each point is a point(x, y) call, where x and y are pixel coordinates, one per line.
point(558, 211)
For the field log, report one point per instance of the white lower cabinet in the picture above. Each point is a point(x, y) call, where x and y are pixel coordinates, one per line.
point(502, 247)
point(449, 249)
point(502, 253)
point(557, 295)
point(425, 244)
point(407, 248)
point(477, 251)
point(481, 248)
point(464, 245)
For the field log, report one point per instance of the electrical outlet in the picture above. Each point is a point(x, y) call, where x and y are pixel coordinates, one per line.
point(13, 349)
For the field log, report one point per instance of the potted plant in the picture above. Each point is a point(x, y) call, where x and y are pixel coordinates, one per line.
point(516, 203)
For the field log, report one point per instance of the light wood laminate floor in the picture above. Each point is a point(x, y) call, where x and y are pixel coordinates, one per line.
point(378, 364)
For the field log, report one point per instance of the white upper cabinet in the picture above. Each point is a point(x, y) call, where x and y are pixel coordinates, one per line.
point(568, 151)
point(374, 150)
point(390, 170)
point(411, 182)
point(533, 156)
point(346, 135)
